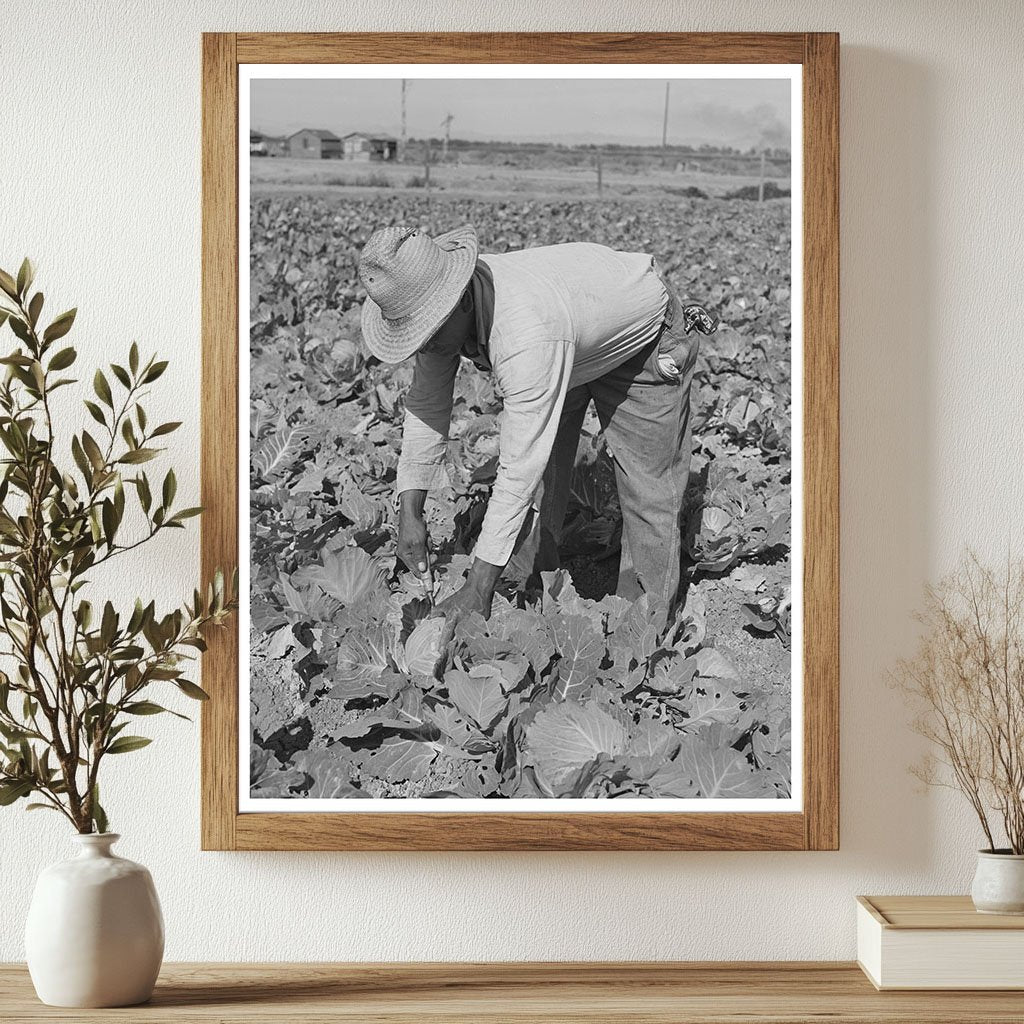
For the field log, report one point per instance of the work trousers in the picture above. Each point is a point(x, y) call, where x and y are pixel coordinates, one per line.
point(645, 418)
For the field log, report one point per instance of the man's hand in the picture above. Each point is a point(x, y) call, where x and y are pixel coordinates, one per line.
point(412, 539)
point(460, 605)
point(475, 595)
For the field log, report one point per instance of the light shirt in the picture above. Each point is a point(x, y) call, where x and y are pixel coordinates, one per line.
point(564, 315)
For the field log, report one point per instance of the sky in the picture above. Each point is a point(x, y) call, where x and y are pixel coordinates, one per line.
point(720, 112)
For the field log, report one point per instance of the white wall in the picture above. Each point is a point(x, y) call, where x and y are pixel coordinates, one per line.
point(100, 183)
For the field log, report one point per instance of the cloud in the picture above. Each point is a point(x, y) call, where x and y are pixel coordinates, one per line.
point(742, 127)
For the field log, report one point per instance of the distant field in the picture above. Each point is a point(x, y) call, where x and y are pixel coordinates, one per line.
point(273, 174)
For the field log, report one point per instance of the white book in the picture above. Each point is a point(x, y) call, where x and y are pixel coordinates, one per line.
point(938, 942)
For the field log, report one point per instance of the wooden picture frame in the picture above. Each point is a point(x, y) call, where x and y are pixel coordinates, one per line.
point(816, 826)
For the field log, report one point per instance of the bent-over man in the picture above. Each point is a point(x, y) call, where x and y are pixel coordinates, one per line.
point(558, 326)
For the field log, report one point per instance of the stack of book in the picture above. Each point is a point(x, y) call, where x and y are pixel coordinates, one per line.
point(938, 942)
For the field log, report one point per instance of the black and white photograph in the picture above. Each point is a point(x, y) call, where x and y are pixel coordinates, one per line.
point(521, 361)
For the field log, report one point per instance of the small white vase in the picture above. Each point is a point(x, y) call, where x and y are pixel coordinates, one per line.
point(999, 882)
point(95, 933)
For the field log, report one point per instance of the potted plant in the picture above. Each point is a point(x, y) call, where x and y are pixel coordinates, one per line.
point(81, 672)
point(967, 682)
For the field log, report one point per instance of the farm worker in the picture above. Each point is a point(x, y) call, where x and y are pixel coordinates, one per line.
point(558, 326)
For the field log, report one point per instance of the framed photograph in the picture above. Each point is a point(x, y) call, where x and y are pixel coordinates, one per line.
point(520, 421)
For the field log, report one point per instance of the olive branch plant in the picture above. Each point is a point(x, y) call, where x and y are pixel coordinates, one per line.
point(966, 681)
point(79, 673)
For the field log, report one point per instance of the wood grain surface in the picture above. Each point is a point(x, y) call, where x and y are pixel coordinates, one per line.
point(521, 48)
point(816, 827)
point(941, 913)
point(821, 441)
point(219, 431)
point(524, 993)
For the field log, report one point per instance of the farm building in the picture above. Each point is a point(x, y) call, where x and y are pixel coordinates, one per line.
point(267, 145)
point(277, 145)
point(314, 144)
point(361, 146)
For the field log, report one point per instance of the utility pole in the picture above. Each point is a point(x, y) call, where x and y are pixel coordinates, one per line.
point(447, 125)
point(664, 123)
point(401, 147)
point(760, 186)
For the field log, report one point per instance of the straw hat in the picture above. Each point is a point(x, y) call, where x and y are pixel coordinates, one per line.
point(413, 282)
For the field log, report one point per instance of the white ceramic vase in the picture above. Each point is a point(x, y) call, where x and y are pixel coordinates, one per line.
point(999, 883)
point(95, 933)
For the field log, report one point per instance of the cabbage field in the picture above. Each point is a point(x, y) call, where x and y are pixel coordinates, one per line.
point(567, 690)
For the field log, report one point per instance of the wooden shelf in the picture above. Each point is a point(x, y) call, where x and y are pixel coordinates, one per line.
point(526, 993)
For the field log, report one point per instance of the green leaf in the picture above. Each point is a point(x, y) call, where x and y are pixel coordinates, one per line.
point(138, 455)
point(170, 488)
point(188, 513)
point(84, 614)
point(144, 707)
point(9, 792)
point(14, 790)
point(168, 673)
point(108, 625)
point(102, 388)
point(16, 359)
point(95, 412)
point(81, 461)
point(26, 274)
point(191, 690)
point(128, 433)
point(119, 499)
point(99, 816)
point(137, 618)
point(41, 807)
point(92, 449)
point(110, 521)
point(34, 308)
point(145, 497)
point(60, 326)
point(7, 283)
point(121, 374)
point(20, 329)
point(133, 358)
point(63, 359)
point(130, 653)
point(126, 744)
point(165, 428)
point(155, 371)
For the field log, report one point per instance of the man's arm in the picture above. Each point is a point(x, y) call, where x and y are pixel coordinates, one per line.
point(428, 412)
point(533, 383)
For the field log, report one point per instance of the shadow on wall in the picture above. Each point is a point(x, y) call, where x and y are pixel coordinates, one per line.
point(887, 298)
